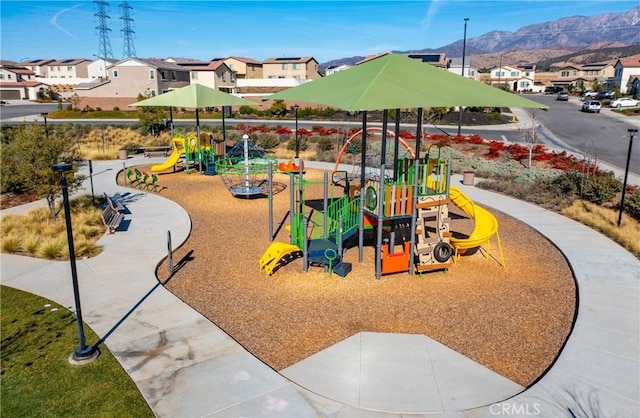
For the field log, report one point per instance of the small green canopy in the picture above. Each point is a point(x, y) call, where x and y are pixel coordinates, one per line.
point(396, 81)
point(195, 96)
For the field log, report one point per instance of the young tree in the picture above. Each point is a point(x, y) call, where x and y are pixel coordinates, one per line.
point(151, 118)
point(530, 136)
point(28, 153)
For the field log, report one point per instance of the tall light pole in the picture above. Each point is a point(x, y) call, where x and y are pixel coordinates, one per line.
point(297, 142)
point(500, 71)
point(464, 47)
point(46, 130)
point(632, 133)
point(84, 353)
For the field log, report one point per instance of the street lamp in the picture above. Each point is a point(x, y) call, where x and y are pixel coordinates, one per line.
point(295, 108)
point(464, 47)
point(46, 131)
point(500, 71)
point(632, 133)
point(83, 354)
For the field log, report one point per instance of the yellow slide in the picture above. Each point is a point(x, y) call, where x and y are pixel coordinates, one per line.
point(486, 225)
point(276, 252)
point(178, 150)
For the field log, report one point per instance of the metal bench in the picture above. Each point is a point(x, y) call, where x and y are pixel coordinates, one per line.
point(163, 149)
point(111, 215)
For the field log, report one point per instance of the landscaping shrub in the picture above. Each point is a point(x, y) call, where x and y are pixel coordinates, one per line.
point(325, 144)
point(302, 143)
point(632, 204)
point(601, 189)
point(268, 141)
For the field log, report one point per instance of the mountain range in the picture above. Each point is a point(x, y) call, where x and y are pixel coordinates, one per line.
point(544, 42)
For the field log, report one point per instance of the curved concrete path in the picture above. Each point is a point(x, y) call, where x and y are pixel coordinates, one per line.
point(186, 367)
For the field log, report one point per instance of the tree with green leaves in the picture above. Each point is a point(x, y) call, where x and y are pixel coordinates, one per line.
point(151, 118)
point(28, 153)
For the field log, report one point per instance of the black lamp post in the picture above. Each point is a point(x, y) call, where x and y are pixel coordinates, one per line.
point(632, 133)
point(464, 47)
point(83, 353)
point(295, 108)
point(46, 130)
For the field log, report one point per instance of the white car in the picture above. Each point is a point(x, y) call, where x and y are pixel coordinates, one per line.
point(624, 102)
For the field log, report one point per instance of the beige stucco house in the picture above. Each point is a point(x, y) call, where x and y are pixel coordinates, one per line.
point(19, 83)
point(300, 68)
point(215, 74)
point(129, 78)
point(68, 68)
point(244, 67)
point(625, 71)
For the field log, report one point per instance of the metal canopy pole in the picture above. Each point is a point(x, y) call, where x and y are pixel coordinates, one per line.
point(363, 162)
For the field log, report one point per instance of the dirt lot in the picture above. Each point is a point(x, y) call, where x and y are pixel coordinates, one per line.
point(513, 320)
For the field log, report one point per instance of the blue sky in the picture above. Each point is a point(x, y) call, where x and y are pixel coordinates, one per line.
point(325, 30)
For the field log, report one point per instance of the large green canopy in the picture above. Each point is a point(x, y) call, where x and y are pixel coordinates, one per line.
point(398, 82)
point(195, 96)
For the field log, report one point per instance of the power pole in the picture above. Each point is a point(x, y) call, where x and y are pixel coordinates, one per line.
point(104, 43)
point(128, 50)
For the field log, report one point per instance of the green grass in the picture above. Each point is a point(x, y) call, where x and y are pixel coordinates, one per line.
point(36, 377)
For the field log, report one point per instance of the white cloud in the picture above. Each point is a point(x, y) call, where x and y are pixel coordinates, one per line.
point(54, 20)
point(434, 5)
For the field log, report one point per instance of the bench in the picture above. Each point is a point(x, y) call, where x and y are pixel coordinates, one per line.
point(111, 215)
point(163, 149)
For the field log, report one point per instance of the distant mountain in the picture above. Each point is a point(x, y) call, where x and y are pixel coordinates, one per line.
point(550, 39)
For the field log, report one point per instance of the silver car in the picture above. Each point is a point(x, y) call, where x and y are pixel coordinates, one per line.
point(591, 106)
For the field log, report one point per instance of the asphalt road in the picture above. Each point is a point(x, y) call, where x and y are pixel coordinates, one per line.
point(28, 108)
point(599, 135)
point(564, 126)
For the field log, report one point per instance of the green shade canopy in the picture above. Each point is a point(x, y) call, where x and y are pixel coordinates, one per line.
point(195, 96)
point(398, 82)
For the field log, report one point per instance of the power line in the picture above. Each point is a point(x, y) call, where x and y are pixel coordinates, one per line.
point(128, 49)
point(104, 42)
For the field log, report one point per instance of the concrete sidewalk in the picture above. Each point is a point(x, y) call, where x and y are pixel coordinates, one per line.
point(185, 366)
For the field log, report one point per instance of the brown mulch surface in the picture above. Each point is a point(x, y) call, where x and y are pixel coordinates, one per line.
point(513, 320)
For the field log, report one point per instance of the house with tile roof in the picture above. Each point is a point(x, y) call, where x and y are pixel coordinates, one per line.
point(19, 83)
point(68, 68)
point(244, 67)
point(38, 66)
point(299, 68)
point(215, 74)
point(130, 77)
point(624, 71)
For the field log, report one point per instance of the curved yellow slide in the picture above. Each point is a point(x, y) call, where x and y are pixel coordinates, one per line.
point(486, 225)
point(178, 150)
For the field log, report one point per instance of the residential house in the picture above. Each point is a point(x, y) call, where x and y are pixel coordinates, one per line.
point(215, 74)
point(68, 68)
point(583, 76)
point(244, 67)
point(299, 68)
point(455, 67)
point(38, 66)
point(19, 83)
point(129, 78)
point(624, 70)
point(439, 59)
point(336, 68)
point(98, 68)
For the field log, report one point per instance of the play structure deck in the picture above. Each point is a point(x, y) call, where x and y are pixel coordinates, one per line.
point(407, 206)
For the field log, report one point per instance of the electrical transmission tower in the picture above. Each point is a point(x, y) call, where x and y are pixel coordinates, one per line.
point(104, 43)
point(128, 50)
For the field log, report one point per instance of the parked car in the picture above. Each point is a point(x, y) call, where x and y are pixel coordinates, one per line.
point(605, 95)
point(563, 96)
point(624, 102)
point(552, 89)
point(591, 106)
point(589, 94)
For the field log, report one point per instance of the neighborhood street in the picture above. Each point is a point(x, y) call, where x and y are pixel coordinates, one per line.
point(603, 136)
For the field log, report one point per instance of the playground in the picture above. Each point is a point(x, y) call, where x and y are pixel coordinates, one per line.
point(512, 319)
